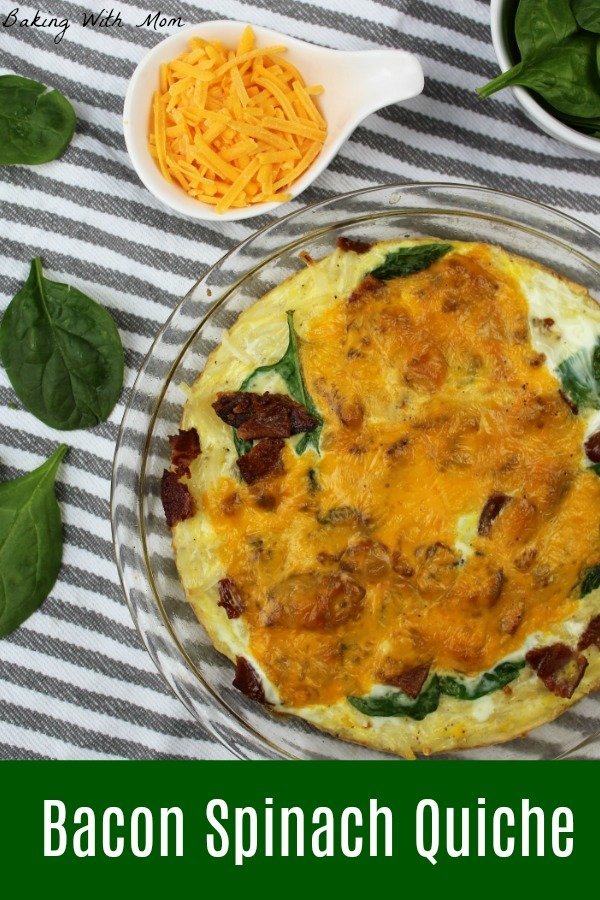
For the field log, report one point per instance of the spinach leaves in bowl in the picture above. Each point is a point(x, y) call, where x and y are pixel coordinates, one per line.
point(558, 53)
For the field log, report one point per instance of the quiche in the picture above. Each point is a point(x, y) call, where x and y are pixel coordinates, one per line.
point(385, 495)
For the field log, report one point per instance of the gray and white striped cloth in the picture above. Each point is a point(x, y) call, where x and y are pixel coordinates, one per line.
point(75, 681)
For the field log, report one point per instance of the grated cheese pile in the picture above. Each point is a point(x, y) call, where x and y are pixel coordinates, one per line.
point(234, 128)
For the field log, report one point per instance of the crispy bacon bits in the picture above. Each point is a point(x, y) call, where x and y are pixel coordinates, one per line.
point(248, 681)
point(543, 324)
point(427, 371)
point(560, 668)
point(230, 598)
point(177, 501)
point(370, 560)
point(591, 635)
point(398, 449)
point(263, 415)
point(512, 616)
point(592, 447)
point(368, 286)
point(572, 406)
point(185, 447)
point(492, 508)
point(411, 682)
point(494, 585)
point(350, 413)
point(262, 460)
point(313, 601)
point(353, 245)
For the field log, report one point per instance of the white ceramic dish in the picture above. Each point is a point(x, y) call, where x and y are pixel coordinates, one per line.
point(534, 110)
point(356, 84)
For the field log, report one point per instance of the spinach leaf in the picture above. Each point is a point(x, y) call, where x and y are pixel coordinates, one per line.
point(289, 369)
point(490, 681)
point(396, 703)
point(596, 362)
point(539, 24)
point(241, 447)
point(407, 260)
point(36, 124)
point(589, 125)
point(587, 13)
point(595, 468)
point(564, 74)
point(590, 580)
point(62, 353)
point(30, 542)
point(580, 377)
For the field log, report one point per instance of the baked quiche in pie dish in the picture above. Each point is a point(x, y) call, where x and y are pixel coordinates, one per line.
point(385, 495)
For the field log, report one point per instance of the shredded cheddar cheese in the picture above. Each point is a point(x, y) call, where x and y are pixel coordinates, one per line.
point(234, 127)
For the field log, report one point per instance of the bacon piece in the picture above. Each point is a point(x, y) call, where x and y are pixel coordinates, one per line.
point(266, 501)
point(262, 460)
point(572, 406)
point(411, 682)
point(591, 635)
point(437, 568)
point(427, 371)
point(398, 449)
point(537, 359)
point(185, 447)
point(524, 561)
point(263, 415)
point(247, 680)
point(369, 559)
point(559, 667)
point(177, 501)
point(369, 285)
point(350, 413)
point(494, 585)
point(230, 598)
point(543, 324)
point(401, 566)
point(313, 601)
point(592, 447)
point(230, 503)
point(352, 244)
point(511, 617)
point(491, 510)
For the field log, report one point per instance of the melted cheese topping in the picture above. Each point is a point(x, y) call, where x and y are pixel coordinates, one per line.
point(434, 396)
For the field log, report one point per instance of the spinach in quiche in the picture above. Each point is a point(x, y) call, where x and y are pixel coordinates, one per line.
point(289, 368)
point(408, 260)
point(397, 703)
point(580, 377)
point(497, 678)
point(590, 580)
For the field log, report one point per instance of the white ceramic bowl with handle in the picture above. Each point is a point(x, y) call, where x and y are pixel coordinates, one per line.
point(355, 85)
point(499, 9)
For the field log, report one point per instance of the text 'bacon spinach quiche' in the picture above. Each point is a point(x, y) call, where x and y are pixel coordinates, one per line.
point(385, 495)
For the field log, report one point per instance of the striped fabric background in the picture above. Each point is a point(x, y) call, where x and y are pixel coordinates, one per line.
point(75, 681)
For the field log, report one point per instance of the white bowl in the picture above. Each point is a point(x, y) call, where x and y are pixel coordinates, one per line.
point(534, 110)
point(355, 83)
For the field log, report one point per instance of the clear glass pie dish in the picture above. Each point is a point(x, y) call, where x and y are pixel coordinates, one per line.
point(179, 646)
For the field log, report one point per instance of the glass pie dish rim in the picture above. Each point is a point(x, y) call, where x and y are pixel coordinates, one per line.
point(182, 347)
